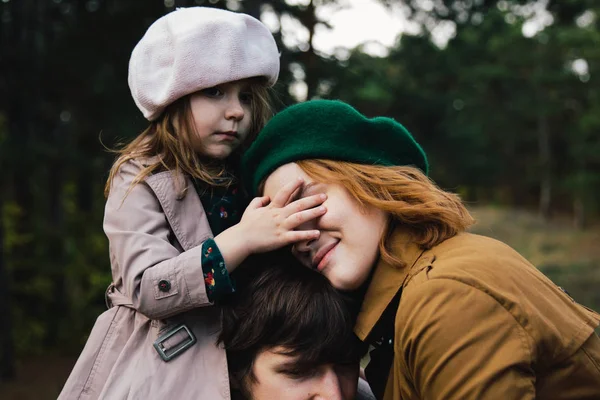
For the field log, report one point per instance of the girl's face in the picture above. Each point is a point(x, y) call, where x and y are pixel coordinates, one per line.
point(222, 118)
point(348, 246)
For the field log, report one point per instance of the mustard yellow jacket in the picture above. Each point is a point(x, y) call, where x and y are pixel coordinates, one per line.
point(477, 321)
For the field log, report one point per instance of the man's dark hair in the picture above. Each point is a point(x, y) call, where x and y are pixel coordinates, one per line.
point(281, 303)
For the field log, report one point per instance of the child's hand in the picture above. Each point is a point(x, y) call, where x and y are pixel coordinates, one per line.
point(270, 225)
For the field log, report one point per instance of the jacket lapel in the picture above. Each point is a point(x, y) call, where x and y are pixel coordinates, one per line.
point(386, 282)
point(182, 207)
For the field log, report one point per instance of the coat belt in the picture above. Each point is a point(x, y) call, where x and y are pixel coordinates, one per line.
point(114, 298)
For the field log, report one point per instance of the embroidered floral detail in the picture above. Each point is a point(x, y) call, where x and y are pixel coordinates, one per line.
point(223, 206)
point(216, 277)
point(209, 279)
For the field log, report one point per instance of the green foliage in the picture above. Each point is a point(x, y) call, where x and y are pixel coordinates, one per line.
point(64, 294)
point(502, 116)
point(11, 213)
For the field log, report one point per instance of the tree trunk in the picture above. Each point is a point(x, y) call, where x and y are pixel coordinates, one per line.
point(545, 166)
point(7, 356)
point(579, 212)
point(56, 254)
point(310, 58)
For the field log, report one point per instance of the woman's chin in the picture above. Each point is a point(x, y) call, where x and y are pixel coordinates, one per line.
point(342, 282)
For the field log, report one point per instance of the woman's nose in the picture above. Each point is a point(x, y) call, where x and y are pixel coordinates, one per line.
point(303, 246)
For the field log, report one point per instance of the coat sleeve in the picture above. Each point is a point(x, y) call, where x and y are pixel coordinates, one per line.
point(457, 342)
point(159, 279)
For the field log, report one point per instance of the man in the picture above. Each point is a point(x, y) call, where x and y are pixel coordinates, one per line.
point(288, 335)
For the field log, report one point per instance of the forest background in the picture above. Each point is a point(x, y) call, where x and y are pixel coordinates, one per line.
point(503, 95)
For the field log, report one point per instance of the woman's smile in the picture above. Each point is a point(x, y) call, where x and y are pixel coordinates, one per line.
point(323, 256)
point(348, 246)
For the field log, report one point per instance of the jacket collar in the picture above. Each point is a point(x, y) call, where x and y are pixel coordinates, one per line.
point(182, 207)
point(386, 281)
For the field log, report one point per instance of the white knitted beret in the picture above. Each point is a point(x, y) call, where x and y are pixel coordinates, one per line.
point(196, 48)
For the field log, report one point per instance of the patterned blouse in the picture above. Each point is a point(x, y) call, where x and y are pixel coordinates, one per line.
point(224, 207)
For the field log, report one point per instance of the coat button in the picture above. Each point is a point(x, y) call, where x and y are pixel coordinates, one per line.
point(164, 285)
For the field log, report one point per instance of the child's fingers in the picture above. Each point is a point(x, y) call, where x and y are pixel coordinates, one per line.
point(304, 204)
point(299, 236)
point(258, 202)
point(301, 217)
point(282, 197)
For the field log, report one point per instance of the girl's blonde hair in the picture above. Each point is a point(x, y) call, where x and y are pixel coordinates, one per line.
point(168, 139)
point(406, 194)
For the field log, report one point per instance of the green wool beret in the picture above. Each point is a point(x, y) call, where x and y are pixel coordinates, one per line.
point(328, 129)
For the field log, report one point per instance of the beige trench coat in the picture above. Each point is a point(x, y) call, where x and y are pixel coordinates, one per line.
point(155, 238)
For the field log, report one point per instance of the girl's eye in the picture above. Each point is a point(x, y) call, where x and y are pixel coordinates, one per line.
point(246, 97)
point(212, 92)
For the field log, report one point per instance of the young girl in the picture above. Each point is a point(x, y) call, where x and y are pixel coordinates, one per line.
point(451, 315)
point(174, 210)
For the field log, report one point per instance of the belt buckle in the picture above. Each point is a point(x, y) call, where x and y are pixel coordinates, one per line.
point(169, 354)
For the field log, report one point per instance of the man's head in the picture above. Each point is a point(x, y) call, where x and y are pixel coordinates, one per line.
point(288, 334)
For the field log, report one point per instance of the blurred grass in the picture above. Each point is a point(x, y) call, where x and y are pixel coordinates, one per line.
point(38, 378)
point(567, 255)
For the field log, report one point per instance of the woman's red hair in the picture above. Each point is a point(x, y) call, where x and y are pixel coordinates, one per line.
point(412, 200)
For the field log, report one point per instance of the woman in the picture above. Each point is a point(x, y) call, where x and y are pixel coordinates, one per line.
point(451, 315)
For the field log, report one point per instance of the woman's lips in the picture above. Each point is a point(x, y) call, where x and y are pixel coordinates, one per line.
point(323, 255)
